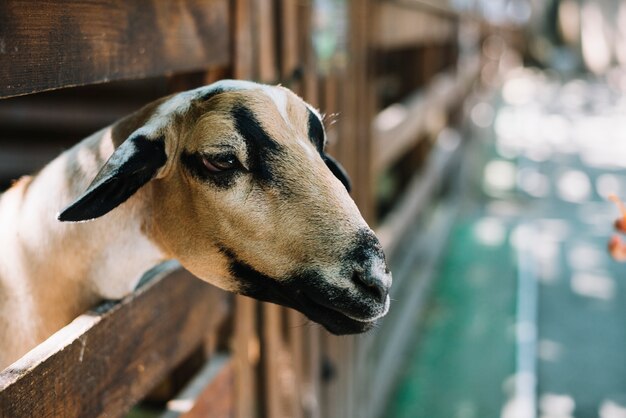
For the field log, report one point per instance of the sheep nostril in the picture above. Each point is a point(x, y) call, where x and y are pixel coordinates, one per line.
point(371, 284)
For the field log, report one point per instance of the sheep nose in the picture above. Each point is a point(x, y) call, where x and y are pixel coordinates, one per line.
point(373, 283)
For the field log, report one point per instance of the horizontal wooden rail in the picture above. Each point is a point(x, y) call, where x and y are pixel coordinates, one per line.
point(401, 26)
point(108, 359)
point(18, 159)
point(420, 192)
point(400, 126)
point(62, 115)
point(434, 7)
point(59, 43)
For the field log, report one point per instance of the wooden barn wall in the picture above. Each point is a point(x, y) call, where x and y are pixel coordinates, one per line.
point(247, 359)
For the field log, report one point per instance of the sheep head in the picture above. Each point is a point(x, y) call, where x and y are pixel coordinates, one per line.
point(241, 192)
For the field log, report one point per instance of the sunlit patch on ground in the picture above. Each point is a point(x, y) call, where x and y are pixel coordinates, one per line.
point(552, 405)
point(612, 409)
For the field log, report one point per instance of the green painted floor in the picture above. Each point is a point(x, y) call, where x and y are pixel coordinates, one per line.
point(543, 158)
point(466, 349)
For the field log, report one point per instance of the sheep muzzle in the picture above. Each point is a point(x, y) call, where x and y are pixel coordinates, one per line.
point(347, 302)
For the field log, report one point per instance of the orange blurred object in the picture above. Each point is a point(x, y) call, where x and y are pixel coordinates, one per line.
point(617, 248)
point(620, 223)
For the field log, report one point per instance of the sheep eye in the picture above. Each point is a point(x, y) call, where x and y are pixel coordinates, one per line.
point(220, 163)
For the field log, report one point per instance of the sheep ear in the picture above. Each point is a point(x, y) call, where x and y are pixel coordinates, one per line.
point(338, 171)
point(132, 165)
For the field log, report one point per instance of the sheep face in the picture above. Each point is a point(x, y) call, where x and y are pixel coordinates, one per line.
point(245, 197)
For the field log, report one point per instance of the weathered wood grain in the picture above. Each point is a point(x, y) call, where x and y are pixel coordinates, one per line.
point(271, 360)
point(403, 25)
point(266, 40)
point(246, 348)
point(289, 54)
point(55, 43)
point(244, 64)
point(211, 394)
point(402, 125)
point(108, 359)
point(434, 8)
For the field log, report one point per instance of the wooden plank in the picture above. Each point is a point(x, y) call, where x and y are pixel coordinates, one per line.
point(271, 355)
point(434, 7)
point(402, 26)
point(59, 43)
point(281, 391)
point(296, 349)
point(310, 77)
point(428, 62)
point(290, 57)
point(345, 131)
point(246, 347)
point(209, 395)
point(289, 388)
point(400, 126)
point(339, 387)
point(364, 375)
point(312, 372)
point(244, 57)
point(50, 114)
point(363, 95)
point(418, 195)
point(17, 160)
point(268, 70)
point(349, 355)
point(331, 395)
point(108, 359)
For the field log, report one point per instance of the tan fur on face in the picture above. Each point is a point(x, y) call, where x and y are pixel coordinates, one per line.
point(275, 231)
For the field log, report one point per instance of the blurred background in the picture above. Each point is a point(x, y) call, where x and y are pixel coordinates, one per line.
point(483, 138)
point(526, 315)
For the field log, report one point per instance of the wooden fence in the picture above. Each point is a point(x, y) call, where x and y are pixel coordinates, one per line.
point(392, 78)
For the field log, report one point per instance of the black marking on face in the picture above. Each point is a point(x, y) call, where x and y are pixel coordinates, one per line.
point(192, 162)
point(254, 283)
point(316, 136)
point(366, 255)
point(263, 151)
point(366, 247)
point(211, 93)
point(305, 291)
point(316, 131)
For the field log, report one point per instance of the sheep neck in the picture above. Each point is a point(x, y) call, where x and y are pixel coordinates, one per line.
point(50, 272)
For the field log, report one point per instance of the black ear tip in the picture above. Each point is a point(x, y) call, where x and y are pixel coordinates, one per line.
point(66, 215)
point(79, 211)
point(132, 165)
